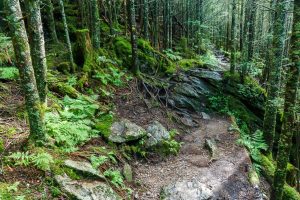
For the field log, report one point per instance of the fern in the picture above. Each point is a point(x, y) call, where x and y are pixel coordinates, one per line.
point(41, 160)
point(6, 50)
point(72, 126)
point(98, 161)
point(115, 177)
point(255, 144)
point(20, 158)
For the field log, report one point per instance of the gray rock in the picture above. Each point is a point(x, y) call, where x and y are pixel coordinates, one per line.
point(127, 172)
point(205, 116)
point(125, 131)
point(187, 190)
point(83, 190)
point(207, 74)
point(83, 167)
point(157, 133)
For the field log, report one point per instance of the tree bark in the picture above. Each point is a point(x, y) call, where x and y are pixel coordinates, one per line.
point(24, 64)
point(50, 19)
point(232, 42)
point(132, 23)
point(274, 82)
point(37, 47)
point(67, 36)
point(146, 19)
point(289, 121)
point(95, 24)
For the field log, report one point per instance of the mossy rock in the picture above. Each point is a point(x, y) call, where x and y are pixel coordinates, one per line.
point(103, 125)
point(122, 47)
point(243, 113)
point(64, 67)
point(250, 92)
point(268, 167)
point(186, 64)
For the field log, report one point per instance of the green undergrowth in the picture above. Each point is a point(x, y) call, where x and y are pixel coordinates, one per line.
point(72, 125)
point(6, 50)
point(10, 191)
point(9, 73)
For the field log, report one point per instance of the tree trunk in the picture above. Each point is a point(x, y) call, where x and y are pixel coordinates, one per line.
point(24, 64)
point(146, 19)
point(95, 24)
point(274, 82)
point(66, 29)
point(289, 120)
point(232, 42)
point(156, 24)
point(37, 47)
point(132, 23)
point(50, 19)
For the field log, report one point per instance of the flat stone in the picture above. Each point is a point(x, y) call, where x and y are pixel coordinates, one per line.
point(83, 190)
point(125, 131)
point(83, 167)
point(157, 133)
point(187, 190)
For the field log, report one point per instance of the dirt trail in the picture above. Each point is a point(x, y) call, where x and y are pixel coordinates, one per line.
point(227, 176)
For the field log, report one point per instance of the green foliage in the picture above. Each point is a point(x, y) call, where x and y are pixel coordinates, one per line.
point(2, 147)
point(210, 59)
point(9, 191)
point(72, 80)
point(190, 63)
point(72, 125)
point(111, 75)
point(174, 56)
point(115, 177)
point(97, 161)
point(122, 47)
point(9, 73)
point(254, 143)
point(40, 160)
point(104, 123)
point(6, 50)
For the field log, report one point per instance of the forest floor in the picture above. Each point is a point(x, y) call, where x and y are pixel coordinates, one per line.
point(225, 173)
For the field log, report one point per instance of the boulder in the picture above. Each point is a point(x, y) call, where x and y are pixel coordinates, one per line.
point(157, 133)
point(125, 131)
point(83, 190)
point(84, 167)
point(187, 190)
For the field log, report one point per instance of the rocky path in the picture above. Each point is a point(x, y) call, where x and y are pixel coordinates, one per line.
point(194, 174)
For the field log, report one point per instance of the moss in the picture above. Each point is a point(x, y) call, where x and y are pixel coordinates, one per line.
point(290, 193)
point(291, 177)
point(122, 47)
point(1, 145)
point(190, 63)
point(64, 67)
point(145, 45)
point(269, 171)
point(104, 123)
point(61, 87)
point(104, 28)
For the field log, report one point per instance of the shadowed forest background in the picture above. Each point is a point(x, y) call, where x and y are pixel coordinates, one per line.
point(149, 99)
